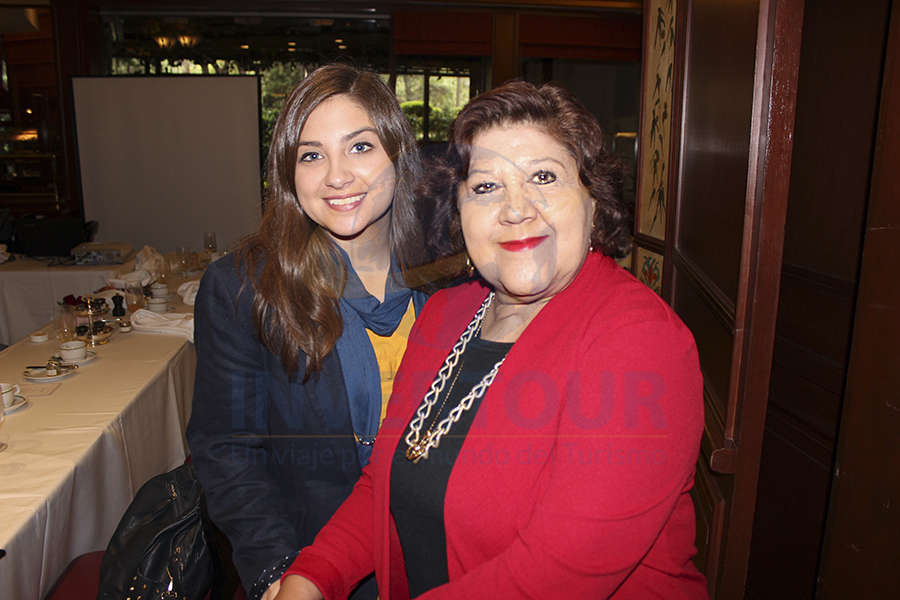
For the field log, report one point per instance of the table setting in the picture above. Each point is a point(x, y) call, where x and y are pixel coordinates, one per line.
point(95, 402)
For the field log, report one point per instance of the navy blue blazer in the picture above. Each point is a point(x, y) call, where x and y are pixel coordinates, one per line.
point(276, 456)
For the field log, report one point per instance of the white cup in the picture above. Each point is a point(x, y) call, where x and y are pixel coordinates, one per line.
point(8, 391)
point(159, 290)
point(74, 350)
point(158, 305)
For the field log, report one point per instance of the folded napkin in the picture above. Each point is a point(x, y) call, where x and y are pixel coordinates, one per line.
point(122, 279)
point(168, 323)
point(188, 291)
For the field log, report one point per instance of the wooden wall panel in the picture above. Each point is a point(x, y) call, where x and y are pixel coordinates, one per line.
point(428, 33)
point(860, 554)
point(834, 135)
point(505, 45)
point(838, 108)
point(614, 38)
point(715, 148)
point(787, 558)
point(710, 513)
point(713, 337)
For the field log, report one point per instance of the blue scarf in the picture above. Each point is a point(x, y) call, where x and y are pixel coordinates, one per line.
point(360, 311)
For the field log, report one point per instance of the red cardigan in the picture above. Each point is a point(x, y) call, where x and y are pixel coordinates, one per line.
point(573, 480)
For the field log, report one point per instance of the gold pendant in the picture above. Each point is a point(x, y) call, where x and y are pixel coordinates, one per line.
point(415, 452)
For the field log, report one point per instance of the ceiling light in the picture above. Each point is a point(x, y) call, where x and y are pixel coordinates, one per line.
point(26, 135)
point(188, 41)
point(339, 41)
point(245, 46)
point(28, 111)
point(292, 43)
point(292, 49)
point(342, 47)
point(164, 41)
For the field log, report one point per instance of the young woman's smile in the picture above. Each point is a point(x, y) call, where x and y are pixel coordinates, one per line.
point(344, 178)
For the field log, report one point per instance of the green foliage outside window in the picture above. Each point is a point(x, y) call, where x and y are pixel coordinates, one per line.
point(275, 84)
point(447, 95)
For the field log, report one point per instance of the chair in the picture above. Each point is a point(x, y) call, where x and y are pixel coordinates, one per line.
point(80, 580)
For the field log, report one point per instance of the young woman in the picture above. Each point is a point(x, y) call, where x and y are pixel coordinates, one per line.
point(299, 336)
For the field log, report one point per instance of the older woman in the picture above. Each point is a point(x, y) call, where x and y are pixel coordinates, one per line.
point(545, 424)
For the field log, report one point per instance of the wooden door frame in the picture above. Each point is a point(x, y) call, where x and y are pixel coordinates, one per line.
point(779, 36)
point(768, 185)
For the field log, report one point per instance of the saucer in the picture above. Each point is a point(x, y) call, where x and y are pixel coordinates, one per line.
point(40, 375)
point(18, 404)
point(90, 356)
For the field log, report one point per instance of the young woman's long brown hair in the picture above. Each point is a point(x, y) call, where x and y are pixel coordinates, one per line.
point(301, 274)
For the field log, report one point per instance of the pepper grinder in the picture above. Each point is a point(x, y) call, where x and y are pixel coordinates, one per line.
point(118, 308)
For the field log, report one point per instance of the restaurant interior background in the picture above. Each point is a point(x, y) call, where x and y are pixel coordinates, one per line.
point(795, 422)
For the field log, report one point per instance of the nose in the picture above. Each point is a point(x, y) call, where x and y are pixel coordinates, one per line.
point(518, 205)
point(339, 173)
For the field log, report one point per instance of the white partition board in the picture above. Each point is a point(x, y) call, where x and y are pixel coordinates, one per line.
point(164, 159)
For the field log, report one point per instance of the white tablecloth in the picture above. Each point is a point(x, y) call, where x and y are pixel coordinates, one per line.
point(29, 291)
point(77, 457)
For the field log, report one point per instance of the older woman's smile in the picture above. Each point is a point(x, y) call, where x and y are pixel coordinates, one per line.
point(523, 244)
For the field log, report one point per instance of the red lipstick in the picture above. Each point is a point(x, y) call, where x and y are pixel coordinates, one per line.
point(523, 244)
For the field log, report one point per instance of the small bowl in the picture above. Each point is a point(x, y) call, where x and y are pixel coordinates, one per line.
point(159, 290)
point(158, 305)
point(74, 350)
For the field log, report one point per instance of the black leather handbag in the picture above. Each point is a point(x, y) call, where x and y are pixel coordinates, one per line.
point(159, 549)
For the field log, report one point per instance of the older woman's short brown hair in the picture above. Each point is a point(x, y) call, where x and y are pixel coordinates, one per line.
point(562, 116)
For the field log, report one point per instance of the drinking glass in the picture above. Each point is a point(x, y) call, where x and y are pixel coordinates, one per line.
point(163, 275)
point(182, 256)
point(209, 242)
point(65, 323)
point(134, 295)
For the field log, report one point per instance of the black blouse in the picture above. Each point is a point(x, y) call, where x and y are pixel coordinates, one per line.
point(418, 489)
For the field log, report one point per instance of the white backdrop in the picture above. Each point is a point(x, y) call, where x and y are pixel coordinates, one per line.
point(164, 159)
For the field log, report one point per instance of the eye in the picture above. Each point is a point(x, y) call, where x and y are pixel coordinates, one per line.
point(360, 147)
point(310, 156)
point(543, 177)
point(485, 188)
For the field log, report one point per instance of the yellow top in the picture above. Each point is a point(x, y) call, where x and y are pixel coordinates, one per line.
point(389, 351)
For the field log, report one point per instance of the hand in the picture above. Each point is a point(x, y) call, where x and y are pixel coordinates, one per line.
point(272, 591)
point(295, 587)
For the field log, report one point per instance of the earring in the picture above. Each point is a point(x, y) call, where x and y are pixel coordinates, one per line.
point(470, 268)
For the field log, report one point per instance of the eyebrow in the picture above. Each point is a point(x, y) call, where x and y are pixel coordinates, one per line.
point(345, 138)
point(546, 158)
point(530, 162)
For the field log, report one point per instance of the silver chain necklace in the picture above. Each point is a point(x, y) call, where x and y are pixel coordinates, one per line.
point(418, 445)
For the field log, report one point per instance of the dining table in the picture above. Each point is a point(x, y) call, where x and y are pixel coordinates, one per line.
point(82, 446)
point(30, 289)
